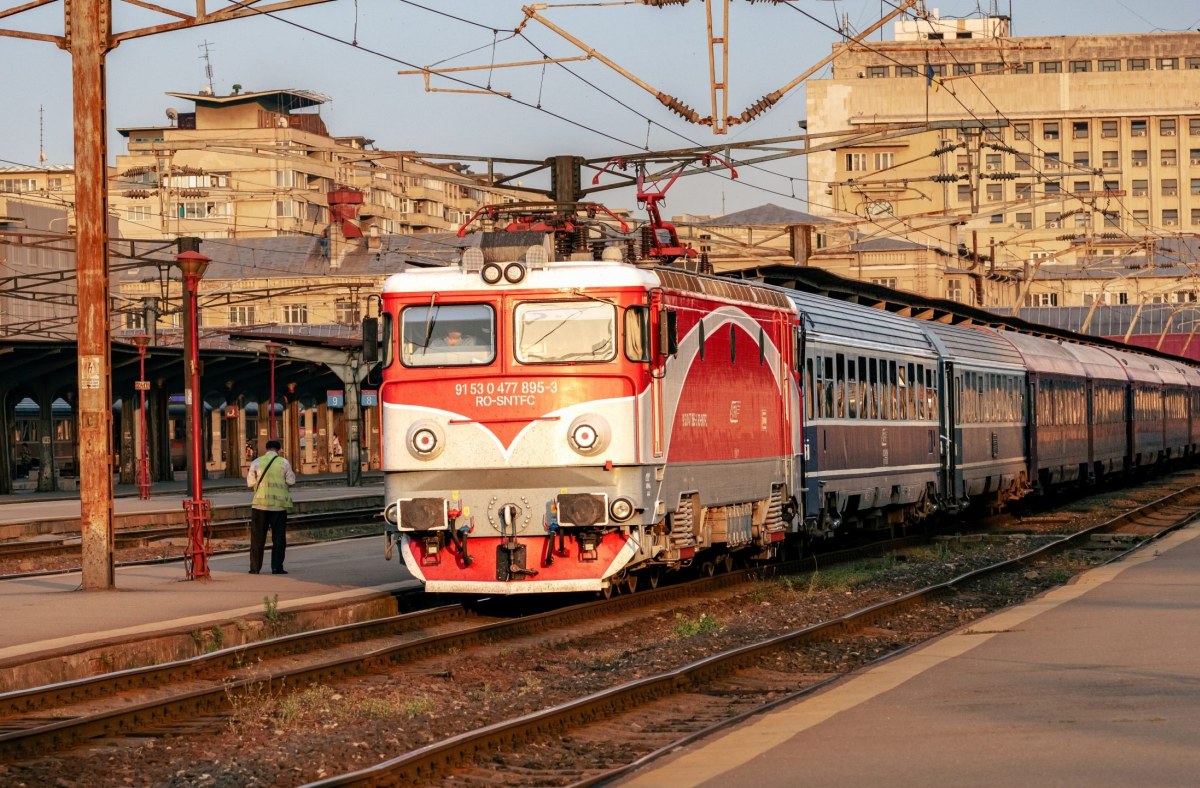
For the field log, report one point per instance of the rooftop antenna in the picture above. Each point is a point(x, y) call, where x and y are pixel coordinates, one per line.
point(208, 72)
point(42, 133)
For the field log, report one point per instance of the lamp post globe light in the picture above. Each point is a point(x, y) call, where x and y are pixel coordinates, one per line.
point(143, 385)
point(193, 264)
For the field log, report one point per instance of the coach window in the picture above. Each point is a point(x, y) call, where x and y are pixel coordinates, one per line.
point(447, 335)
point(901, 392)
point(841, 386)
point(637, 333)
point(852, 390)
point(828, 387)
point(930, 394)
point(556, 332)
point(873, 388)
point(388, 339)
point(808, 388)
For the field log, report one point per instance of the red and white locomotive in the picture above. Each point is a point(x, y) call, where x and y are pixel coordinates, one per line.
point(575, 424)
point(556, 418)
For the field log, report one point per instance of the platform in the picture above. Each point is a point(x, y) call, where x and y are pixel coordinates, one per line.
point(1095, 683)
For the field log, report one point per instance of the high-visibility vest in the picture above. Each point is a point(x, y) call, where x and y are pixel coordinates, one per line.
point(272, 491)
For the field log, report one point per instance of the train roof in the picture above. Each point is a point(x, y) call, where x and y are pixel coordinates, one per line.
point(1043, 355)
point(567, 275)
point(1097, 362)
point(1147, 369)
point(860, 324)
point(961, 343)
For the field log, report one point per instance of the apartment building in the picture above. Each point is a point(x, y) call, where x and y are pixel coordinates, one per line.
point(1031, 149)
point(264, 164)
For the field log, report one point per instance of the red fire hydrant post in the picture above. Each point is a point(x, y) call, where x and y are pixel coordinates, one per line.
point(199, 511)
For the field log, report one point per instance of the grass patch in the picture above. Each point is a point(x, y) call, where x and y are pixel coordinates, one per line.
point(686, 627)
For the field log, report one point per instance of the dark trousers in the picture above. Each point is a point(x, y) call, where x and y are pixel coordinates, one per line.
point(260, 521)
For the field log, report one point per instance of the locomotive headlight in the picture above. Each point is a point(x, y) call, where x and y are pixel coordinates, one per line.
point(589, 434)
point(426, 440)
point(492, 273)
point(621, 509)
point(514, 273)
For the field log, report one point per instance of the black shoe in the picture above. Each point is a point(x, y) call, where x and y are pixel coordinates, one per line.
point(253, 571)
point(279, 571)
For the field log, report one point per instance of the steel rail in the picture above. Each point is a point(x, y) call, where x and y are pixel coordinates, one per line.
point(434, 760)
point(69, 732)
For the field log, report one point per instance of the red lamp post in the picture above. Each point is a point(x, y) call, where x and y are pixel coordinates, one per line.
point(199, 511)
point(143, 468)
point(272, 352)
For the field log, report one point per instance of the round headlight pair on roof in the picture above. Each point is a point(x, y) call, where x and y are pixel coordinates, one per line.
point(513, 273)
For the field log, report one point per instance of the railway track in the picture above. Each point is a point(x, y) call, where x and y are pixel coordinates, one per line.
point(643, 719)
point(141, 537)
point(174, 699)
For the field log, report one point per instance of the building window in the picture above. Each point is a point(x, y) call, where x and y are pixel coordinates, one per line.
point(963, 69)
point(993, 162)
point(1166, 127)
point(1140, 158)
point(1050, 131)
point(1021, 130)
point(138, 213)
point(877, 72)
point(995, 192)
point(17, 185)
point(1141, 218)
point(907, 71)
point(1168, 63)
point(856, 162)
point(1137, 128)
point(1041, 299)
point(1081, 159)
point(1112, 186)
point(201, 210)
point(241, 315)
point(1024, 191)
point(1079, 130)
point(347, 313)
point(295, 314)
point(1195, 187)
point(996, 218)
point(1022, 162)
point(1112, 219)
point(1079, 66)
point(1108, 159)
point(1193, 63)
point(285, 208)
point(964, 192)
point(954, 289)
point(1052, 219)
point(1110, 65)
point(135, 320)
point(1170, 217)
point(889, 282)
point(1139, 188)
point(1138, 64)
point(1024, 221)
point(1081, 186)
point(1052, 187)
point(991, 68)
point(1194, 126)
point(1108, 128)
point(1052, 160)
point(1170, 187)
point(1083, 219)
point(1194, 155)
point(1050, 67)
point(1023, 68)
point(884, 161)
point(54, 184)
point(1168, 157)
point(1195, 217)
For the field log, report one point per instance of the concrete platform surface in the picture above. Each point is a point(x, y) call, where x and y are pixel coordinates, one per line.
point(46, 613)
point(1096, 683)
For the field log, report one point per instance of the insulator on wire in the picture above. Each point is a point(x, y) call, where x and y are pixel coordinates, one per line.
point(661, 3)
point(562, 245)
point(760, 106)
point(947, 178)
point(646, 236)
point(581, 238)
point(678, 107)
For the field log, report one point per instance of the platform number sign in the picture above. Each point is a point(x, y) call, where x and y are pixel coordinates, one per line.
point(335, 399)
point(370, 399)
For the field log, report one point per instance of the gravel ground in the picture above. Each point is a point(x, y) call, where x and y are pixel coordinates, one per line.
point(279, 737)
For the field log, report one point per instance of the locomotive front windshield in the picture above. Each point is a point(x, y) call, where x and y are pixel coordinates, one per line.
point(565, 331)
point(447, 335)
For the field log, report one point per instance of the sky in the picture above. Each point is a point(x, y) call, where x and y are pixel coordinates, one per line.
point(350, 50)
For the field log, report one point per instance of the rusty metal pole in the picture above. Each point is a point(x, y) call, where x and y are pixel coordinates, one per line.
point(88, 42)
point(199, 511)
point(143, 385)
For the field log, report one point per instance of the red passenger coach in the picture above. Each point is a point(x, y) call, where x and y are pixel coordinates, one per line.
point(578, 424)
